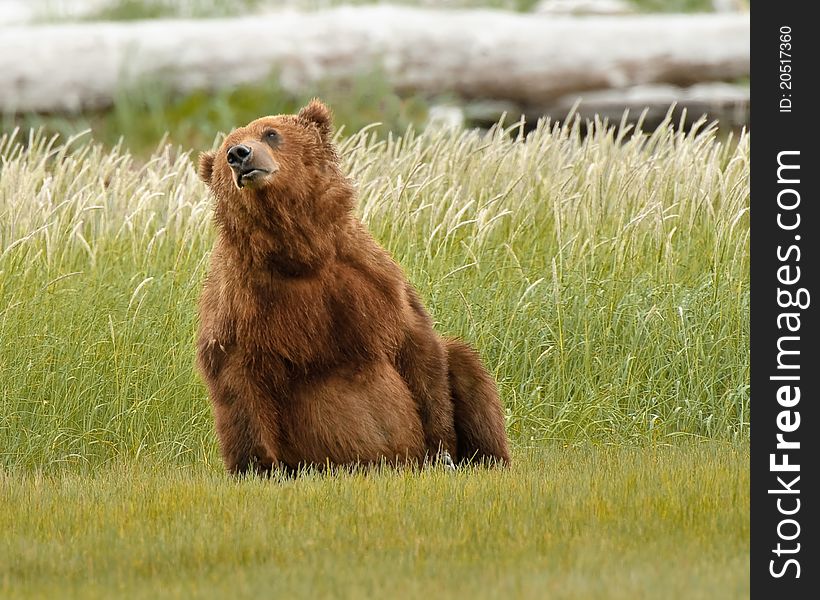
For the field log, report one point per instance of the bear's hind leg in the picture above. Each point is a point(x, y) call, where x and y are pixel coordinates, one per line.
point(479, 417)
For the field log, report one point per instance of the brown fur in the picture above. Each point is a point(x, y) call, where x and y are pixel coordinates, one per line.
point(314, 347)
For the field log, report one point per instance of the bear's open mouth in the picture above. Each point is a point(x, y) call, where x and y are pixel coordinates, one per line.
point(245, 177)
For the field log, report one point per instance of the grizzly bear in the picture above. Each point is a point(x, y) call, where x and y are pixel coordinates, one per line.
point(315, 348)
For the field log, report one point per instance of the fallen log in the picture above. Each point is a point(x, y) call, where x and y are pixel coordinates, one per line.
point(729, 104)
point(528, 59)
point(723, 102)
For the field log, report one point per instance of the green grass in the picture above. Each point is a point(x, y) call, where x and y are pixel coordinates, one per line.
point(592, 522)
point(604, 279)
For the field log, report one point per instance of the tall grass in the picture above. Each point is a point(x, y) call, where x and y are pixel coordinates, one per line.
point(603, 278)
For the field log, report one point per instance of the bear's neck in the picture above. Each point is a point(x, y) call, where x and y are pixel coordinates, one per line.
point(287, 239)
point(286, 254)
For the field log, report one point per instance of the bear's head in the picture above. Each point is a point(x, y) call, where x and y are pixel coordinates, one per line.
point(279, 178)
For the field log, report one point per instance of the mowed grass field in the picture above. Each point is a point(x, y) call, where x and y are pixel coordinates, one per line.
point(591, 522)
point(603, 278)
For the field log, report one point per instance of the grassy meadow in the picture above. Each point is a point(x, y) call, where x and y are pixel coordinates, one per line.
point(604, 279)
point(606, 522)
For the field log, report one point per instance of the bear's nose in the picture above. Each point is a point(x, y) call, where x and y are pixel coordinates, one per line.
point(238, 154)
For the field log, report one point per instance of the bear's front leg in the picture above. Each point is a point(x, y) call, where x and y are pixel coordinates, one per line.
point(236, 437)
point(422, 364)
point(241, 442)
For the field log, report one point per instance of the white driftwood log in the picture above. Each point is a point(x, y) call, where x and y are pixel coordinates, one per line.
point(528, 59)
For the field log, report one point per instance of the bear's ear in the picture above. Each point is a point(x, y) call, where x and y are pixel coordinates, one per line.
point(317, 113)
point(206, 166)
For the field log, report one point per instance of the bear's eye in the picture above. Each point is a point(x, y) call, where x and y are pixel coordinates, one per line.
point(271, 136)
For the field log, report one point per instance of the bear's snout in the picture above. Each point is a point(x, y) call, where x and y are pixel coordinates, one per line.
point(237, 155)
point(250, 164)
